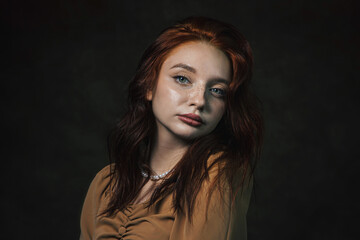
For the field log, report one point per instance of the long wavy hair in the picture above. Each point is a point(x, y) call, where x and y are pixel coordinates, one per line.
point(238, 136)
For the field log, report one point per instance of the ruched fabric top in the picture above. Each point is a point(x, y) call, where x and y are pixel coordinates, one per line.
point(159, 222)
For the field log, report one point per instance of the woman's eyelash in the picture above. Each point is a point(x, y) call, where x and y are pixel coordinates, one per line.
point(182, 79)
point(218, 91)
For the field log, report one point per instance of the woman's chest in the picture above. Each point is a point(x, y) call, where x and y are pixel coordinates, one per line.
point(137, 222)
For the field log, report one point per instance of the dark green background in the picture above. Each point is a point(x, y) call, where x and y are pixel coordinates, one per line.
point(66, 65)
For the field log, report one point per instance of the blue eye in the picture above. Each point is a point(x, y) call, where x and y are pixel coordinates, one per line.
point(218, 92)
point(182, 80)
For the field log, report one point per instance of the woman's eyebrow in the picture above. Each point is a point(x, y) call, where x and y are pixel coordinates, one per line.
point(187, 67)
point(193, 70)
point(220, 80)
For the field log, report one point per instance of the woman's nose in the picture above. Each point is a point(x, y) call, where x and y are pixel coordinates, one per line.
point(197, 97)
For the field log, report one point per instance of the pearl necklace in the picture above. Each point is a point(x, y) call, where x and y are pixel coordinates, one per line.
point(155, 177)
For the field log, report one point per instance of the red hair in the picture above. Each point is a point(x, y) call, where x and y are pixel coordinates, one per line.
point(238, 135)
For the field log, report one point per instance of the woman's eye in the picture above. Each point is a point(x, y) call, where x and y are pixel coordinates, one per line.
point(218, 92)
point(182, 80)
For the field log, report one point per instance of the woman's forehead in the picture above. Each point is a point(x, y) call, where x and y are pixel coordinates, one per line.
point(198, 57)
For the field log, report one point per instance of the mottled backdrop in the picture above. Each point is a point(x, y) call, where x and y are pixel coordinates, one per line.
point(65, 69)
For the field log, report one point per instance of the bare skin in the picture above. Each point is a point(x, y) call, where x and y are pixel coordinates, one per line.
point(164, 157)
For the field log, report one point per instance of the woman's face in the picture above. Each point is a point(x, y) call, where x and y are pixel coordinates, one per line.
point(188, 100)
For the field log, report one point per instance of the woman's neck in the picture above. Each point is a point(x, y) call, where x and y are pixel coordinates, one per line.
point(166, 152)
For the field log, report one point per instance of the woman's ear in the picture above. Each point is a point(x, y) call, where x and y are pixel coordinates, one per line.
point(149, 95)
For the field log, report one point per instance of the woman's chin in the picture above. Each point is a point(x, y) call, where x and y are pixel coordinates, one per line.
point(189, 135)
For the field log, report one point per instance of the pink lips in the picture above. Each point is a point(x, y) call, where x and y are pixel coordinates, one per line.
point(191, 119)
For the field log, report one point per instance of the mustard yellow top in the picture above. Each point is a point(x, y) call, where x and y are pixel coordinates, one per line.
point(159, 222)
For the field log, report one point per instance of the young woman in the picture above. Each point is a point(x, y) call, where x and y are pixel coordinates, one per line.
point(183, 154)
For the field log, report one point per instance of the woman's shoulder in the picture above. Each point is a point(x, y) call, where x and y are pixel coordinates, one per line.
point(236, 182)
point(101, 180)
point(97, 190)
point(220, 161)
point(104, 172)
point(212, 160)
point(95, 201)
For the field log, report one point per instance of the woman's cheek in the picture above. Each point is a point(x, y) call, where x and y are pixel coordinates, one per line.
point(173, 96)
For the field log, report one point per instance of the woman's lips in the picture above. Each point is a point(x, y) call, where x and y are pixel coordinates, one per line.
point(191, 119)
